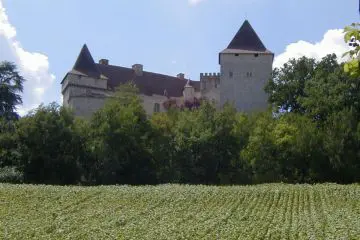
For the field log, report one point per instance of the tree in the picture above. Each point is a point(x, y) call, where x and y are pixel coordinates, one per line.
point(11, 86)
point(50, 151)
point(288, 84)
point(314, 88)
point(119, 140)
point(352, 37)
point(163, 145)
point(329, 90)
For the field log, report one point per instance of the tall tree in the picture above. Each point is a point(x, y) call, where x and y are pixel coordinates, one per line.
point(119, 135)
point(11, 86)
point(50, 149)
point(288, 84)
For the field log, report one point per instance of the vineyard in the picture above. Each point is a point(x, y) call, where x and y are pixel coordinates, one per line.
point(273, 211)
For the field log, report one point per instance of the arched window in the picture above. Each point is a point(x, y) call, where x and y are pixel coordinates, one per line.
point(156, 107)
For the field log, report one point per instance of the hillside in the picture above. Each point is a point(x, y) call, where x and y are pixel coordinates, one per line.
point(271, 211)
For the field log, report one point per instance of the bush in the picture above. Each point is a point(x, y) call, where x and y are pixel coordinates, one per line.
point(10, 175)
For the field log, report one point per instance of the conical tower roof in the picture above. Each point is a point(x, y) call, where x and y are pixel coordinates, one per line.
point(85, 63)
point(246, 39)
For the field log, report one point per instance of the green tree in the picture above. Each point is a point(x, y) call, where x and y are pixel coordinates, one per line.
point(288, 84)
point(342, 146)
point(163, 145)
point(352, 37)
point(330, 90)
point(119, 140)
point(50, 151)
point(314, 88)
point(8, 151)
point(11, 86)
point(206, 146)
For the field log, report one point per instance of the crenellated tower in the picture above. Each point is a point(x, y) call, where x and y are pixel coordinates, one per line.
point(210, 86)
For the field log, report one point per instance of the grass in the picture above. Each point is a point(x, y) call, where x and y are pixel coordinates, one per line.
point(272, 211)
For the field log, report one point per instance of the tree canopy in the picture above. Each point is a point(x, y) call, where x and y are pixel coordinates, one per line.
point(11, 86)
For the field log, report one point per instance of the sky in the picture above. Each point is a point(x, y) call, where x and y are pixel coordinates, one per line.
point(44, 37)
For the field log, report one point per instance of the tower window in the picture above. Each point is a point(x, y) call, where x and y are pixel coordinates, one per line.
point(156, 107)
point(231, 74)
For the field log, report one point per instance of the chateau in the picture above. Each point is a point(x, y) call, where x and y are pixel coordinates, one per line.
point(245, 67)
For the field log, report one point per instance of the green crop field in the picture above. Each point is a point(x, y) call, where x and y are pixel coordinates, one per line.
point(273, 211)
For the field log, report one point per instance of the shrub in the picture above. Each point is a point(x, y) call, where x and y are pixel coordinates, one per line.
point(10, 175)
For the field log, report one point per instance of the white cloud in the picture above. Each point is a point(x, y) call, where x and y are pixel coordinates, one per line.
point(332, 42)
point(33, 66)
point(195, 2)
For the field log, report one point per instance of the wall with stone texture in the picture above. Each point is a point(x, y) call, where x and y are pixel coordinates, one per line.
point(86, 106)
point(148, 103)
point(84, 95)
point(244, 90)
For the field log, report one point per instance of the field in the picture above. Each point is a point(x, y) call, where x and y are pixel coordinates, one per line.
point(274, 211)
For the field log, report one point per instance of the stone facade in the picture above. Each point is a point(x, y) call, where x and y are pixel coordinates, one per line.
point(243, 78)
point(245, 67)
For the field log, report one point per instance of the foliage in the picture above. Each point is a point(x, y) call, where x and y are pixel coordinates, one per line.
point(118, 139)
point(8, 151)
point(271, 211)
point(10, 175)
point(312, 135)
point(352, 37)
point(11, 86)
point(49, 150)
point(288, 84)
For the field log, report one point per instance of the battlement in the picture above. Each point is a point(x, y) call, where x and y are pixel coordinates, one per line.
point(209, 75)
point(209, 81)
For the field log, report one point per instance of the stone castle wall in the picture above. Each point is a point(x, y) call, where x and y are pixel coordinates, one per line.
point(210, 86)
point(243, 78)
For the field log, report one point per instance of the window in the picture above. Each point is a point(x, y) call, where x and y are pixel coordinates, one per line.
point(249, 74)
point(236, 54)
point(156, 107)
point(256, 55)
point(231, 74)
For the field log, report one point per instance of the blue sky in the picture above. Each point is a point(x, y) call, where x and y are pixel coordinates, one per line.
point(44, 37)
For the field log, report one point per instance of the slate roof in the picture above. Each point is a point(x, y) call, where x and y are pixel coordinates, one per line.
point(149, 83)
point(85, 63)
point(246, 40)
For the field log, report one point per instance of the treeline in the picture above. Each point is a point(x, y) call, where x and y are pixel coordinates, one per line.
point(311, 133)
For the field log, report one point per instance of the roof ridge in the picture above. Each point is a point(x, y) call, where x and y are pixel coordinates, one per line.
point(160, 74)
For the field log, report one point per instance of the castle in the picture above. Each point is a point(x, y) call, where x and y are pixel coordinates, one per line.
point(245, 67)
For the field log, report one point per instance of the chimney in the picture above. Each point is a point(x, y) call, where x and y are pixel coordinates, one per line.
point(104, 61)
point(138, 68)
point(181, 76)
